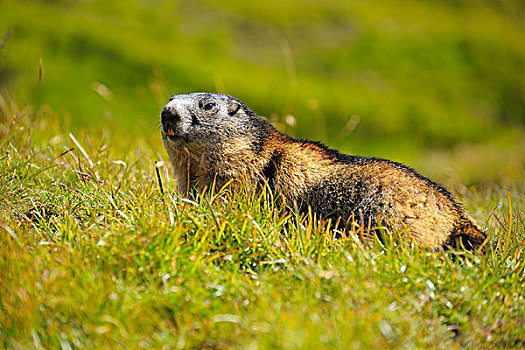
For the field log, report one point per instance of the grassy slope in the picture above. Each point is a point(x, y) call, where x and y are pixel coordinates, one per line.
point(95, 256)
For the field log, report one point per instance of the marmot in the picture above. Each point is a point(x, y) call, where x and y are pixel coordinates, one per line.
point(214, 137)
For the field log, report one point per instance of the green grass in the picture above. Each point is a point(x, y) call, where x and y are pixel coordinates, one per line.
point(93, 255)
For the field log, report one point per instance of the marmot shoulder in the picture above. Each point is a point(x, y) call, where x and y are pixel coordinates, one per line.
point(213, 137)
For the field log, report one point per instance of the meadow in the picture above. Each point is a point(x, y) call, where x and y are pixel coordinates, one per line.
point(98, 249)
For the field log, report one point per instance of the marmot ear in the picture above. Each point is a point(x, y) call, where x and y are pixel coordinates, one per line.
point(234, 107)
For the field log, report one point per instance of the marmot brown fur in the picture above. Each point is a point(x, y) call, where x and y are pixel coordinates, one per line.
point(212, 137)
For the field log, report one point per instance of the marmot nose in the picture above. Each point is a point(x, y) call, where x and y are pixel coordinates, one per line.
point(169, 114)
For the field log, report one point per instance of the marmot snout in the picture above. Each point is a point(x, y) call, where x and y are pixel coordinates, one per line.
point(212, 137)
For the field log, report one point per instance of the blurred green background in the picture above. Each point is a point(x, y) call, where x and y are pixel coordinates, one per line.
point(439, 85)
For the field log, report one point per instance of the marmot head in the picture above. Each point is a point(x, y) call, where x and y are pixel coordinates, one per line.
point(204, 118)
point(210, 137)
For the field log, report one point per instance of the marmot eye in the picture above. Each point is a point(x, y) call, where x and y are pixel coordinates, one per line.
point(209, 106)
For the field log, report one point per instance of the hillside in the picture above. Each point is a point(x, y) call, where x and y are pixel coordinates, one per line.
point(98, 250)
point(422, 82)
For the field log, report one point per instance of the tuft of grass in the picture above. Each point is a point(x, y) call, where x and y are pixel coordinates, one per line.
point(95, 255)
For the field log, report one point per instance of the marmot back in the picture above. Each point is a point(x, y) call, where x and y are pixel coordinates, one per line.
point(213, 137)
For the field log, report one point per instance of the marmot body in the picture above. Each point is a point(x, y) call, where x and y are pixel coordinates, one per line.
point(212, 137)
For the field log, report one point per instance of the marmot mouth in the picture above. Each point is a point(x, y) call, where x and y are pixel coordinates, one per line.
point(169, 132)
point(172, 136)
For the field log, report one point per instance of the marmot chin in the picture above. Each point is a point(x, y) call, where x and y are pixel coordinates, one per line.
point(213, 137)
